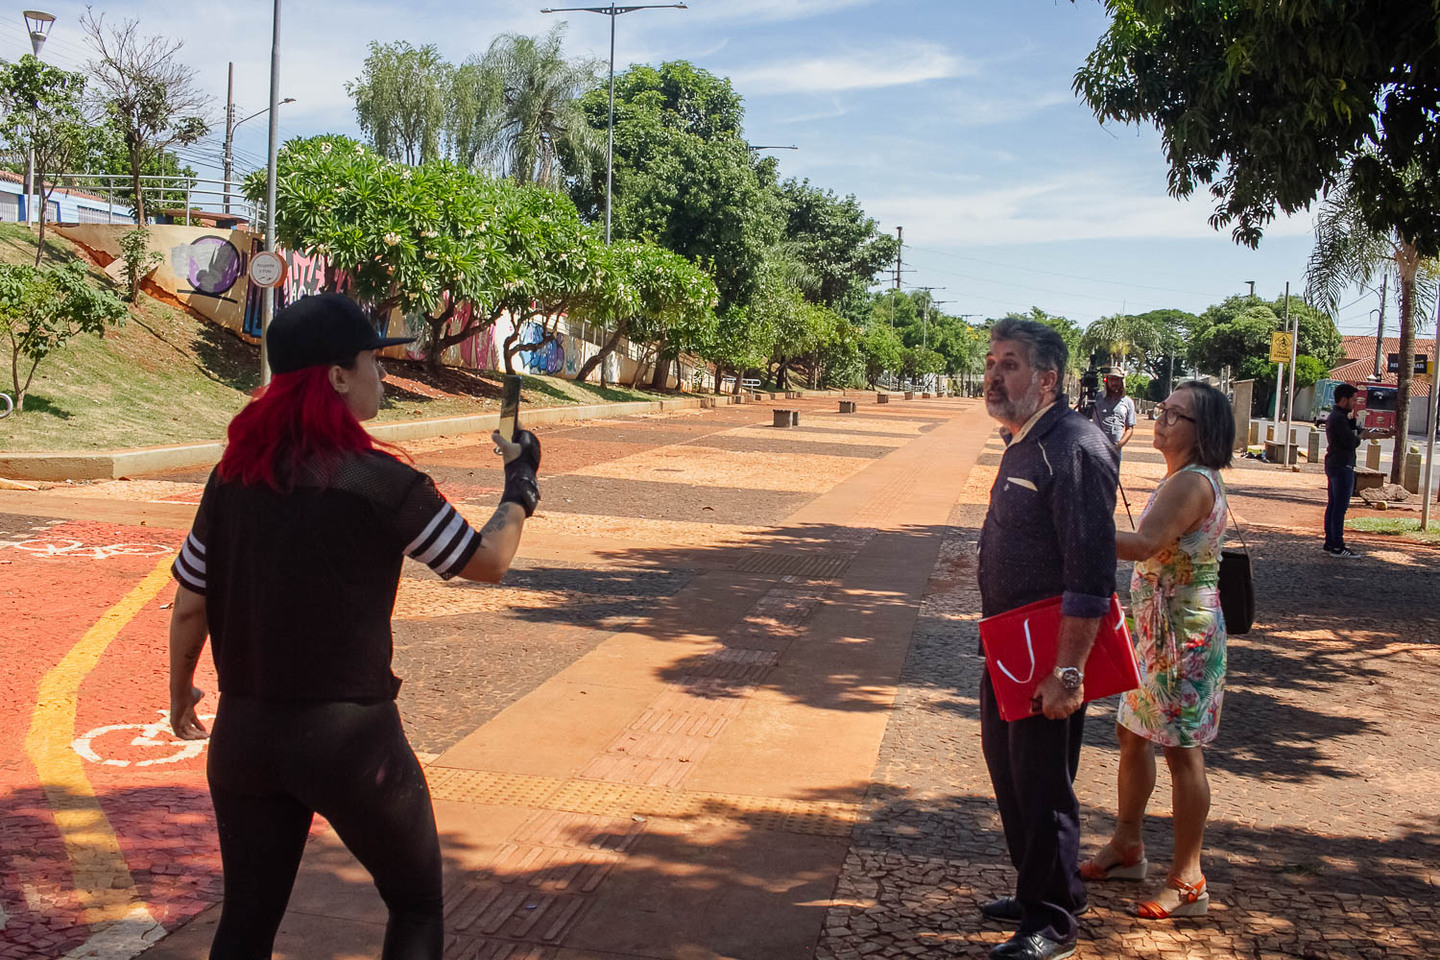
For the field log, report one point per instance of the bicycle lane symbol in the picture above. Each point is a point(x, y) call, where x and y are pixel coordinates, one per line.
point(50, 548)
point(153, 737)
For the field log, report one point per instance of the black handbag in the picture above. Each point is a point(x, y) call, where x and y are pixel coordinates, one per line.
point(1237, 584)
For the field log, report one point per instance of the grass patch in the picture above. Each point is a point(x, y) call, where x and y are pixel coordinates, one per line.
point(1406, 528)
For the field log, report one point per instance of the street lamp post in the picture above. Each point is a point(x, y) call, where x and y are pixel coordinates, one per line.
point(230, 140)
point(612, 11)
point(772, 146)
point(37, 24)
point(267, 298)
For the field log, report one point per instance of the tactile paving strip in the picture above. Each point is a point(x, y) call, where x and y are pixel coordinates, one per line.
point(793, 565)
point(625, 801)
point(466, 948)
point(484, 786)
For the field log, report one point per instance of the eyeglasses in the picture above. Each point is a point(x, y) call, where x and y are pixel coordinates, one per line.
point(1168, 415)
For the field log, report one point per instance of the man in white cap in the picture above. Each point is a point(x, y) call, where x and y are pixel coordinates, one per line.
point(1114, 413)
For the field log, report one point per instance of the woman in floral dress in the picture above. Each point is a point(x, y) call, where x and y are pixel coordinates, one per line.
point(1180, 646)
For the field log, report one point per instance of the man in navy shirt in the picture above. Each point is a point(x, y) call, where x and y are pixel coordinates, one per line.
point(1050, 531)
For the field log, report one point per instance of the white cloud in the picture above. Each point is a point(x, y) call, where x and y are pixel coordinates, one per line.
point(770, 10)
point(1059, 209)
point(892, 65)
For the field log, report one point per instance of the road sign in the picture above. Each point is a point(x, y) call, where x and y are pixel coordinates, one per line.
point(1280, 347)
point(267, 269)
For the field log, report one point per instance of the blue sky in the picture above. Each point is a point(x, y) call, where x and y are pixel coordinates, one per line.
point(952, 118)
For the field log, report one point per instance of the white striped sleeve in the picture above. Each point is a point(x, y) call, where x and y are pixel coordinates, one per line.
point(189, 566)
point(446, 543)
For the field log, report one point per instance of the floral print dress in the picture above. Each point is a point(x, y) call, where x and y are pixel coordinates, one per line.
point(1179, 634)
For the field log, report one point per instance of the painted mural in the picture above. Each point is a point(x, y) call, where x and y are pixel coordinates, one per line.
point(207, 271)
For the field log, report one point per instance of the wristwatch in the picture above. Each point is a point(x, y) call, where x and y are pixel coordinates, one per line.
point(1070, 677)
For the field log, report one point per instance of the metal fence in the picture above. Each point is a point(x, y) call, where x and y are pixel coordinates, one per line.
point(162, 193)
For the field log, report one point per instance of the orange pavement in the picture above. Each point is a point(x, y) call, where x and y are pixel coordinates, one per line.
point(686, 789)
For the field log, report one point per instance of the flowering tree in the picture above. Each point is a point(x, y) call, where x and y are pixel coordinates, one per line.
point(420, 239)
point(650, 292)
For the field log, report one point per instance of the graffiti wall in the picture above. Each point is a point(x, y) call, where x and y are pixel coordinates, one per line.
point(206, 270)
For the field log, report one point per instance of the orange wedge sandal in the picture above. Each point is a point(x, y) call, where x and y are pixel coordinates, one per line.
point(1194, 902)
point(1132, 865)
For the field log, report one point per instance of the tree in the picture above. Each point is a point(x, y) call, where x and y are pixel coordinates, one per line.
point(43, 310)
point(1267, 104)
point(151, 97)
point(542, 121)
point(401, 100)
point(1349, 251)
point(474, 108)
point(743, 339)
point(1121, 337)
point(422, 239)
point(647, 291)
point(43, 118)
point(839, 248)
point(883, 351)
point(684, 177)
point(1069, 332)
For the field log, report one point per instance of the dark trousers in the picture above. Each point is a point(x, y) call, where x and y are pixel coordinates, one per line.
point(1341, 483)
point(272, 766)
point(1032, 768)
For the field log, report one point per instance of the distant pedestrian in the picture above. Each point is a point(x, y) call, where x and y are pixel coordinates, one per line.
point(1342, 439)
point(292, 567)
point(1114, 412)
point(1049, 532)
point(1180, 647)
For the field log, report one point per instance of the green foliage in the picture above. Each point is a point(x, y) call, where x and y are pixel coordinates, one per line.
point(542, 135)
point(684, 177)
point(837, 245)
point(42, 107)
point(1137, 385)
point(882, 351)
point(516, 108)
point(400, 100)
point(1309, 371)
point(1267, 102)
point(138, 258)
point(42, 310)
point(1236, 333)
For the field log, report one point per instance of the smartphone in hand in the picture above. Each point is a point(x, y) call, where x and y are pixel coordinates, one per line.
point(510, 408)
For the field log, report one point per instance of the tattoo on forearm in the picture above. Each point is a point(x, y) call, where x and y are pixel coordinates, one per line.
point(496, 524)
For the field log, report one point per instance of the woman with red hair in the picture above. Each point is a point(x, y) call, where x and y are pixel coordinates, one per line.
point(291, 569)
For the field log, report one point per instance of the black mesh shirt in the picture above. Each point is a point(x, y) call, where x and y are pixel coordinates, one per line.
point(299, 587)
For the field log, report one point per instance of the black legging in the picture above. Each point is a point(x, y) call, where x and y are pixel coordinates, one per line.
point(272, 766)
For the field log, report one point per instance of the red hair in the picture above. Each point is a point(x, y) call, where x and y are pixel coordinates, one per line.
point(297, 420)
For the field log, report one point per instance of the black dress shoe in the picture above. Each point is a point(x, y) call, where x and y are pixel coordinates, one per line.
point(1007, 910)
point(1032, 946)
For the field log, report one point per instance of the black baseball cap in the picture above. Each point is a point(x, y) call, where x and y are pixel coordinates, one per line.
point(320, 330)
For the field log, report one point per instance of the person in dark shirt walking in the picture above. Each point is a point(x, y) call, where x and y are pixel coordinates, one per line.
point(291, 568)
point(1342, 439)
point(1050, 531)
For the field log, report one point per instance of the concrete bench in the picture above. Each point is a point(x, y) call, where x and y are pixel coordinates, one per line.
point(909, 394)
point(1367, 479)
point(882, 398)
point(847, 406)
point(787, 418)
point(793, 395)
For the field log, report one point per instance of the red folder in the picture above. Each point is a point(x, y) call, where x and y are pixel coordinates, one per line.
point(1021, 646)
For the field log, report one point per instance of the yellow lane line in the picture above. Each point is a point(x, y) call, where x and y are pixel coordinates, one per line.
point(103, 884)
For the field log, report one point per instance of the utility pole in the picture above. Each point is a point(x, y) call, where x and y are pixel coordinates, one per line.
point(229, 130)
point(267, 298)
point(1294, 349)
point(895, 290)
point(1252, 287)
point(1380, 331)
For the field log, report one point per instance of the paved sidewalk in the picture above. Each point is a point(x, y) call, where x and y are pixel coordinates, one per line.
point(688, 788)
point(724, 707)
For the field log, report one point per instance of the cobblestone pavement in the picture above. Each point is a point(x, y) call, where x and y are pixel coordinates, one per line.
point(1323, 833)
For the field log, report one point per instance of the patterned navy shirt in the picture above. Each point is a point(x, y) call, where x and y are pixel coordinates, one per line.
point(1050, 529)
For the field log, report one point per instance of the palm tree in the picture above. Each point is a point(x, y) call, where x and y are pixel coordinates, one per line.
point(1349, 251)
point(541, 119)
point(1121, 336)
